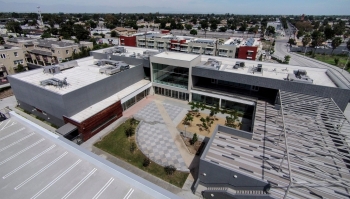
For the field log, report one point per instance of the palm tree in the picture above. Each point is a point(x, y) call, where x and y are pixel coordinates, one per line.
point(335, 43)
point(306, 40)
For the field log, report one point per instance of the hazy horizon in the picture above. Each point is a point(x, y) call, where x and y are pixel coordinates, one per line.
point(257, 7)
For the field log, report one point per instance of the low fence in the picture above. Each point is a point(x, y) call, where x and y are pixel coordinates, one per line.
point(327, 51)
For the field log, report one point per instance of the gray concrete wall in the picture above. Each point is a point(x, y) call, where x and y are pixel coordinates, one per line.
point(38, 97)
point(48, 117)
point(235, 132)
point(339, 95)
point(98, 55)
point(224, 195)
point(84, 97)
point(218, 176)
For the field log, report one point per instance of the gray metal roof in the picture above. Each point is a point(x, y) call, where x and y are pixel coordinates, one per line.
point(302, 146)
point(48, 43)
point(35, 163)
point(41, 52)
point(66, 129)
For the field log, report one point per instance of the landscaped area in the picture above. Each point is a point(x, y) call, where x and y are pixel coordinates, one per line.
point(330, 59)
point(117, 143)
point(204, 124)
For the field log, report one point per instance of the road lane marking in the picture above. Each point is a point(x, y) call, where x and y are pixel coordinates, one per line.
point(56, 179)
point(3, 128)
point(8, 146)
point(28, 162)
point(11, 134)
point(79, 184)
point(103, 188)
point(129, 193)
point(40, 171)
point(20, 152)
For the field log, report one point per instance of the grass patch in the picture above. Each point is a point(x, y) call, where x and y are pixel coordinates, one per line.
point(117, 144)
point(329, 59)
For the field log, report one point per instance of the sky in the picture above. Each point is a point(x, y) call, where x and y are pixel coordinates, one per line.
point(273, 7)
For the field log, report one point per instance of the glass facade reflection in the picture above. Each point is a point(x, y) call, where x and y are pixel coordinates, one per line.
point(211, 101)
point(135, 99)
point(171, 93)
point(170, 75)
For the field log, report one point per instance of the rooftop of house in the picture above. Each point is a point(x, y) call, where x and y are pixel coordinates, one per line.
point(84, 73)
point(238, 41)
point(270, 70)
point(318, 165)
point(37, 163)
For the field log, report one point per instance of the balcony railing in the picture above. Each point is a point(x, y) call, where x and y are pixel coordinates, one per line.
point(196, 50)
point(183, 49)
point(142, 43)
point(222, 53)
point(150, 44)
point(209, 52)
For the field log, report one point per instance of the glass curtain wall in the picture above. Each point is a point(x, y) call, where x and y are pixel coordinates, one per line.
point(171, 93)
point(170, 75)
point(211, 101)
point(135, 99)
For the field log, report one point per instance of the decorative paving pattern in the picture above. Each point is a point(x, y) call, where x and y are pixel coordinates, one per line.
point(173, 111)
point(149, 113)
point(155, 141)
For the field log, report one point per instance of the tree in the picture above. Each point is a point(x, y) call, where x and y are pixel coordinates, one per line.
point(80, 32)
point(188, 26)
point(300, 33)
point(291, 41)
point(14, 27)
point(188, 119)
point(222, 29)
point(20, 68)
point(46, 35)
point(286, 59)
point(317, 39)
point(260, 57)
point(193, 32)
point(194, 138)
point(114, 34)
point(336, 61)
point(306, 40)
point(335, 43)
point(213, 26)
point(2, 41)
point(270, 30)
point(328, 32)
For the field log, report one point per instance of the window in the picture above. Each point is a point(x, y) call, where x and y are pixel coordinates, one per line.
point(231, 51)
point(53, 51)
point(67, 52)
point(16, 62)
point(3, 56)
point(170, 75)
point(58, 52)
point(16, 54)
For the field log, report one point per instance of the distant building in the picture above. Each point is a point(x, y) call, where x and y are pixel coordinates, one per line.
point(47, 51)
point(125, 31)
point(10, 57)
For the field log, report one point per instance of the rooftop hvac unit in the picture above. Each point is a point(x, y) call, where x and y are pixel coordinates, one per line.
point(259, 69)
point(52, 69)
point(54, 82)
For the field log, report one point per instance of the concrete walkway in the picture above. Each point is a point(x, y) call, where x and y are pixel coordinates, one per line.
point(187, 157)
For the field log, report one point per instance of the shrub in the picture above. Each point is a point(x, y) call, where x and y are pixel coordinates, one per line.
point(132, 147)
point(146, 162)
point(194, 138)
point(170, 169)
point(129, 131)
point(336, 61)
